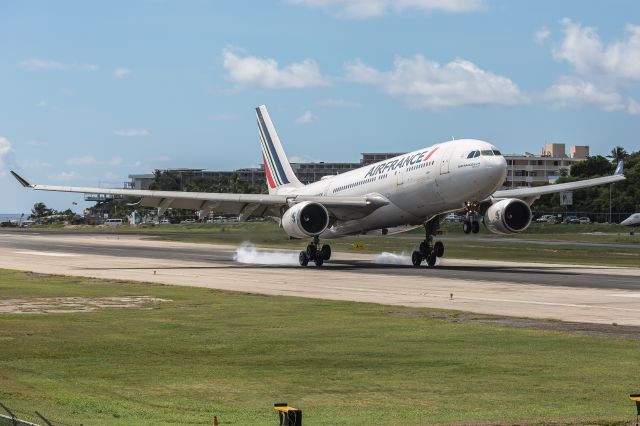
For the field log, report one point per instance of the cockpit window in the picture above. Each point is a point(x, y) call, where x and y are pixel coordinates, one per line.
point(487, 152)
point(473, 154)
point(496, 152)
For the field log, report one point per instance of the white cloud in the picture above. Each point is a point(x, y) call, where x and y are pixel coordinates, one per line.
point(111, 176)
point(88, 160)
point(36, 64)
point(81, 161)
point(604, 69)
point(63, 176)
point(41, 104)
point(574, 92)
point(225, 117)
point(265, 72)
point(35, 164)
point(360, 9)
point(115, 161)
point(132, 132)
point(160, 159)
point(633, 107)
point(583, 48)
point(307, 117)
point(5, 151)
point(422, 83)
point(342, 103)
point(121, 72)
point(541, 35)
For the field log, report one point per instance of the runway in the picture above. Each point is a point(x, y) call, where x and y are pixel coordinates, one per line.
point(602, 295)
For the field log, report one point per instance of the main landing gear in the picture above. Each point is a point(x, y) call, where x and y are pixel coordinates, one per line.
point(428, 251)
point(315, 254)
point(470, 223)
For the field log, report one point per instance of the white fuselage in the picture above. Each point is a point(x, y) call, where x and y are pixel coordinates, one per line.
point(418, 185)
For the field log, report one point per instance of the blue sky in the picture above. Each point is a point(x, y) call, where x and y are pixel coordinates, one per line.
point(94, 91)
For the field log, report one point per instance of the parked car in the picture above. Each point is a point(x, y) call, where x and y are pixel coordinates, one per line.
point(113, 222)
point(571, 219)
point(165, 222)
point(189, 221)
point(546, 218)
point(452, 217)
point(584, 220)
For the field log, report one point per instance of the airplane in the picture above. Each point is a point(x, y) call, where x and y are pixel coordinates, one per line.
point(633, 220)
point(405, 192)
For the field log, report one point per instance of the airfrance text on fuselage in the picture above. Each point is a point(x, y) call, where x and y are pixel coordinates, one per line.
point(409, 160)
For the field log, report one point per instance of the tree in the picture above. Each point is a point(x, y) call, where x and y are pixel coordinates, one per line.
point(592, 166)
point(40, 210)
point(165, 181)
point(618, 153)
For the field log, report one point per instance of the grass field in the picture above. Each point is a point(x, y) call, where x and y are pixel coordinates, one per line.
point(202, 353)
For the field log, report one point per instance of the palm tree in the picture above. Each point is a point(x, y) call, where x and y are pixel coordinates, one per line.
point(618, 153)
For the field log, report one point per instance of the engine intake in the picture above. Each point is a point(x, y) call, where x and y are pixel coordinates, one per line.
point(508, 216)
point(306, 219)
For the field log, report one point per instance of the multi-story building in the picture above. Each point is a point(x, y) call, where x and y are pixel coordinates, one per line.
point(530, 170)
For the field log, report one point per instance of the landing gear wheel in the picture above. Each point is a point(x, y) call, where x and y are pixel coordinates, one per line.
point(312, 250)
point(475, 227)
point(303, 258)
point(319, 261)
point(466, 227)
point(416, 258)
point(325, 251)
point(431, 260)
point(424, 249)
point(438, 249)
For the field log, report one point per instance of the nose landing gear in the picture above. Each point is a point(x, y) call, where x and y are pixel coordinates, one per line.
point(312, 253)
point(470, 223)
point(427, 251)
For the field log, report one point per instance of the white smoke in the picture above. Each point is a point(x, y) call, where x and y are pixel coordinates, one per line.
point(249, 254)
point(386, 258)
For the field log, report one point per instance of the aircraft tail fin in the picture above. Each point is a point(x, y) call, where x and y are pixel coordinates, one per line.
point(276, 165)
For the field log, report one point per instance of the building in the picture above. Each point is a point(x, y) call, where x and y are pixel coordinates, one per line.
point(306, 172)
point(531, 170)
point(523, 169)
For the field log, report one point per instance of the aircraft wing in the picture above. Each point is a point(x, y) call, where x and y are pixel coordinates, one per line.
point(240, 204)
point(531, 194)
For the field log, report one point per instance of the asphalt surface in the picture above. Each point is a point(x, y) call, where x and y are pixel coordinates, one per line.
point(224, 257)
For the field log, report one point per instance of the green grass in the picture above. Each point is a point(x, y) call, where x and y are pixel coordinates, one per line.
point(232, 355)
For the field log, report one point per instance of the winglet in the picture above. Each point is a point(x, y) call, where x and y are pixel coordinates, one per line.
point(20, 179)
point(619, 169)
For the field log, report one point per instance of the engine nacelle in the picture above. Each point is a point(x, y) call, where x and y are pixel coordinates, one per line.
point(508, 216)
point(305, 219)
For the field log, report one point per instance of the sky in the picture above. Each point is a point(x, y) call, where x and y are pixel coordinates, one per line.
point(94, 91)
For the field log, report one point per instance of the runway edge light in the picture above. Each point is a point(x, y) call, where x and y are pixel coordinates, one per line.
point(636, 397)
point(288, 416)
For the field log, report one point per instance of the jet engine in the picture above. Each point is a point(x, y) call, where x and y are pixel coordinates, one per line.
point(306, 219)
point(508, 216)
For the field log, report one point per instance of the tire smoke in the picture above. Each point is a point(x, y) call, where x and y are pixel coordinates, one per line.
point(249, 254)
point(386, 258)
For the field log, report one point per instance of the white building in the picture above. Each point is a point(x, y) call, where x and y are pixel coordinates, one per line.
point(530, 170)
